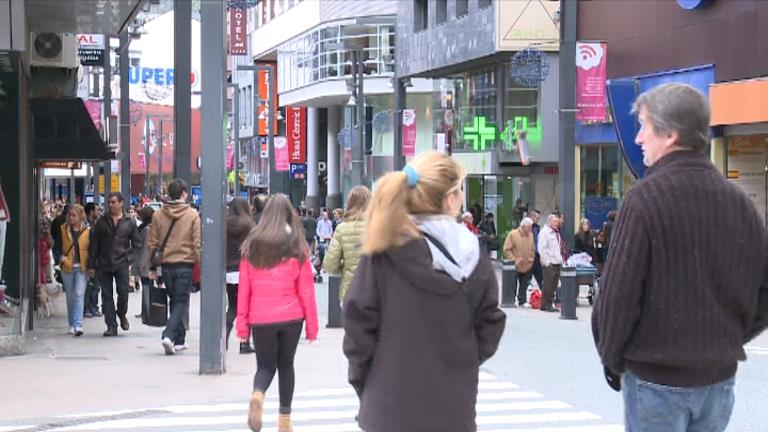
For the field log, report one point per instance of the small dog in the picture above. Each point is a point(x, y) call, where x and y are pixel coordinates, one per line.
point(45, 293)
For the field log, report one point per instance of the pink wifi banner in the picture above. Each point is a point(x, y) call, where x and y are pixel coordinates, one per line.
point(590, 81)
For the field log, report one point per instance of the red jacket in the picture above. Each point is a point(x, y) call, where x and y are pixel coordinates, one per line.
point(282, 293)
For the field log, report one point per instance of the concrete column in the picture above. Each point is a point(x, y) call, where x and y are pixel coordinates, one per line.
point(182, 90)
point(334, 172)
point(125, 119)
point(313, 144)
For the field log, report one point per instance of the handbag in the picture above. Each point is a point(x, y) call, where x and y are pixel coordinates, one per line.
point(157, 255)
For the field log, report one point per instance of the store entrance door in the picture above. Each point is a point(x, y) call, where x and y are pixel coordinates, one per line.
point(747, 166)
point(508, 198)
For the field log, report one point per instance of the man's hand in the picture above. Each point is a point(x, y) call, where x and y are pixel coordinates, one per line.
point(613, 380)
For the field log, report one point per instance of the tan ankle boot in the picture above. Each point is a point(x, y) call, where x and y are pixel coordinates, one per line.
point(255, 410)
point(284, 423)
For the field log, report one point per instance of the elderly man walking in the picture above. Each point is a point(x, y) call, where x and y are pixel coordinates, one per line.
point(518, 247)
point(550, 250)
point(681, 295)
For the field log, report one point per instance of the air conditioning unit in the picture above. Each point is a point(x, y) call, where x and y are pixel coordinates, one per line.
point(54, 50)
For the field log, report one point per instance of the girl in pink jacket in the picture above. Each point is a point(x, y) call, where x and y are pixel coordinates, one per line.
point(275, 296)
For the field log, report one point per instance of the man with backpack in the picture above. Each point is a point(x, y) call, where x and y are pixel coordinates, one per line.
point(174, 245)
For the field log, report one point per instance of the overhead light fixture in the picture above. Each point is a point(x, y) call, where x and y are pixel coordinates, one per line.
point(352, 101)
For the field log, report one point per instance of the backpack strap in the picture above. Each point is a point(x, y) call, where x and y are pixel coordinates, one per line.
point(464, 285)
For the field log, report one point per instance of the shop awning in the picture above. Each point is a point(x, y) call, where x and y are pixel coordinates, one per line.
point(63, 130)
point(740, 102)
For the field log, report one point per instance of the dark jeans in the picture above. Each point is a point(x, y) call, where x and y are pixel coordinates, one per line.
point(275, 346)
point(92, 296)
point(120, 276)
point(551, 278)
point(178, 282)
point(231, 308)
point(522, 280)
point(538, 272)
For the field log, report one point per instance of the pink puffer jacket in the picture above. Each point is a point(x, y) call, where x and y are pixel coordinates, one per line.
point(282, 293)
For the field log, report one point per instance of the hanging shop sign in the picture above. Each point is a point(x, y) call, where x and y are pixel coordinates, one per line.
point(296, 129)
point(522, 23)
point(480, 132)
point(238, 37)
point(90, 49)
point(590, 81)
point(61, 165)
point(281, 154)
point(529, 67)
point(409, 132)
point(263, 109)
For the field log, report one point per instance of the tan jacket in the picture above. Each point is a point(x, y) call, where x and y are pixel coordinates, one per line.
point(520, 249)
point(184, 243)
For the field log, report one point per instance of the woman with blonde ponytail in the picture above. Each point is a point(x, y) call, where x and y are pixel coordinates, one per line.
point(421, 314)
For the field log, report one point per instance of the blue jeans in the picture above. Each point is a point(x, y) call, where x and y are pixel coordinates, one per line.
point(650, 407)
point(74, 287)
point(178, 282)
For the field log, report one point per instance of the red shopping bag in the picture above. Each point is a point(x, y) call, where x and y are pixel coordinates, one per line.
point(535, 299)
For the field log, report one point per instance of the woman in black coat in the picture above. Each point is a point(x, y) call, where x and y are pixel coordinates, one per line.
point(421, 314)
point(239, 225)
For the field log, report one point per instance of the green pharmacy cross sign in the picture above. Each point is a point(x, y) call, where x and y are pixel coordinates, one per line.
point(480, 132)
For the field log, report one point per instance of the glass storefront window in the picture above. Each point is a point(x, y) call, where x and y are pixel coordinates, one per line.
point(506, 197)
point(605, 179)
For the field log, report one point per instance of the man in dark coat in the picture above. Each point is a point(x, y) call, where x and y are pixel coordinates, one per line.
point(679, 300)
point(115, 240)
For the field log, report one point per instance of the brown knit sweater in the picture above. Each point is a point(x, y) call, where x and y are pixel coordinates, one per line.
point(685, 285)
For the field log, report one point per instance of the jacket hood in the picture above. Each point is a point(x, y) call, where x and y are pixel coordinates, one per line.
point(175, 209)
point(427, 269)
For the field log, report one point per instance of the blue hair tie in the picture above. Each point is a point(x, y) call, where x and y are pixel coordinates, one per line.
point(413, 176)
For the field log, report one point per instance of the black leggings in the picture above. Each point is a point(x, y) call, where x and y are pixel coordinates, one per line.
point(275, 346)
point(231, 308)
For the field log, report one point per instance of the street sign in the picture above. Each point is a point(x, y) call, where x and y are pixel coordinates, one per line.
point(91, 49)
point(61, 165)
point(298, 171)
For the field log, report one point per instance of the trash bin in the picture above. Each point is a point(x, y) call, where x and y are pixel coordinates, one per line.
point(508, 283)
point(334, 308)
point(568, 293)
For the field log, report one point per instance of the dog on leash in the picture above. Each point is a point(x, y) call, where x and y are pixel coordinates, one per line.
point(45, 293)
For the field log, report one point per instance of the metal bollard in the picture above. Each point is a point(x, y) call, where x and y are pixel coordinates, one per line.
point(508, 284)
point(334, 308)
point(568, 293)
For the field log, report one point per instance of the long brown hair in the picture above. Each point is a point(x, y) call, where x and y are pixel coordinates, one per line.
point(239, 208)
point(389, 224)
point(357, 203)
point(278, 236)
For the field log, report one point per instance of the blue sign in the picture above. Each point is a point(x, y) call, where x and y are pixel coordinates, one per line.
point(621, 94)
point(197, 195)
point(298, 171)
point(597, 208)
point(693, 4)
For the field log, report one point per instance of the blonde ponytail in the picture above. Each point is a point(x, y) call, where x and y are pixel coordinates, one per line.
point(435, 175)
point(388, 221)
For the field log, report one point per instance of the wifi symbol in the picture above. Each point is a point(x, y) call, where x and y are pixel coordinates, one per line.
point(587, 51)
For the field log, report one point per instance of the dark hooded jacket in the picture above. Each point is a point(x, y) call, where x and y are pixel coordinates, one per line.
point(238, 229)
point(415, 340)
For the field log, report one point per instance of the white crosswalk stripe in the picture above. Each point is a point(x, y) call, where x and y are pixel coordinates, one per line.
point(501, 406)
point(755, 350)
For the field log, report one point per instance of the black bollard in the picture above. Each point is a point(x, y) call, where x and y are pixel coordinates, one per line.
point(568, 293)
point(334, 308)
point(508, 284)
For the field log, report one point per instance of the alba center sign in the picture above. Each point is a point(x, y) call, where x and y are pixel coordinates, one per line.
point(296, 129)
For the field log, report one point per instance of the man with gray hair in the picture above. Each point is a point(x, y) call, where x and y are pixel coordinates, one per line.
point(550, 250)
point(678, 302)
point(518, 247)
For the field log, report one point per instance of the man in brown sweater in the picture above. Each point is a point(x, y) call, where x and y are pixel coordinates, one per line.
point(518, 247)
point(680, 295)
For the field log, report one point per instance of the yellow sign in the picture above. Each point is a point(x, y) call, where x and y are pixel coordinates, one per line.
point(115, 183)
point(524, 23)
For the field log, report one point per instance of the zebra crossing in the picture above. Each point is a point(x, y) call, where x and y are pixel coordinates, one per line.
point(501, 406)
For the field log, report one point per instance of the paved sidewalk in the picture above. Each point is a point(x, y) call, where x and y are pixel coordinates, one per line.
point(63, 375)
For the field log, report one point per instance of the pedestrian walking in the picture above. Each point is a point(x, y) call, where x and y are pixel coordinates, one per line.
point(74, 265)
point(680, 295)
point(114, 243)
point(310, 227)
point(142, 260)
point(174, 244)
point(324, 233)
point(56, 224)
point(421, 314)
point(239, 225)
point(467, 219)
point(518, 247)
point(538, 271)
point(487, 233)
point(346, 248)
point(275, 296)
point(550, 250)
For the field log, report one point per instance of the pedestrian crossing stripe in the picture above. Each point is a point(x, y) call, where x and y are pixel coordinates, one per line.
point(501, 406)
point(751, 349)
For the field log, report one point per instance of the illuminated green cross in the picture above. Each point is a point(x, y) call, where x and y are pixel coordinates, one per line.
point(479, 133)
point(521, 124)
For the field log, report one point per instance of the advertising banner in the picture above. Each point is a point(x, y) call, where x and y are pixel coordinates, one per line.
point(281, 154)
point(264, 90)
point(590, 81)
point(409, 132)
point(90, 49)
point(296, 129)
point(238, 26)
